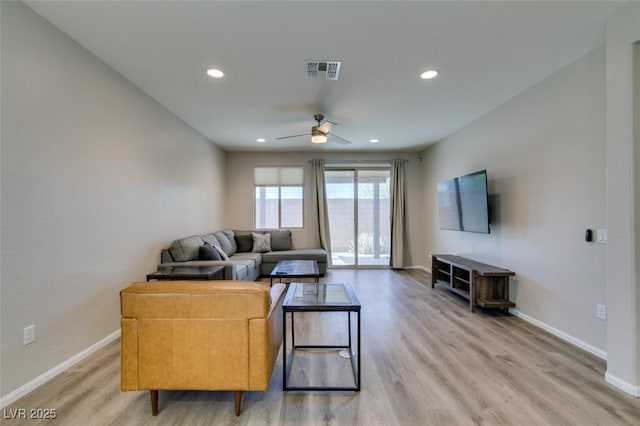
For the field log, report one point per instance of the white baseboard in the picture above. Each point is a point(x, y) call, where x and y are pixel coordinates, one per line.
point(561, 334)
point(622, 385)
point(48, 375)
point(608, 377)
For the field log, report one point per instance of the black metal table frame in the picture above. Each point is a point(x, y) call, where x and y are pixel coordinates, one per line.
point(331, 308)
point(316, 278)
point(314, 275)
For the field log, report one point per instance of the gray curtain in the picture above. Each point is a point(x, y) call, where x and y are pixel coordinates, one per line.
point(320, 198)
point(397, 213)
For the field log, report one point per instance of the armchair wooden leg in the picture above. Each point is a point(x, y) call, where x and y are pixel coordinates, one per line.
point(238, 398)
point(154, 402)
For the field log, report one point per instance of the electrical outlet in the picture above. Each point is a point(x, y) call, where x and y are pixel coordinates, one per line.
point(29, 334)
point(601, 311)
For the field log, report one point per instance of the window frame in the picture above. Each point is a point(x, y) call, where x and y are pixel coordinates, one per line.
point(279, 186)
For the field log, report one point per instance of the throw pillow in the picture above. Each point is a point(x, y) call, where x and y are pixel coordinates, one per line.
point(209, 252)
point(244, 242)
point(261, 242)
point(281, 240)
point(223, 255)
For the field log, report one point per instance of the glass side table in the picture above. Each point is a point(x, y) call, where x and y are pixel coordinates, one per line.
point(313, 297)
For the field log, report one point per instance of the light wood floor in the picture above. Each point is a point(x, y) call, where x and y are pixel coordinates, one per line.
point(426, 360)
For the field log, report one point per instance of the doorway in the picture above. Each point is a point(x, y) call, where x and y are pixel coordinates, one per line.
point(358, 202)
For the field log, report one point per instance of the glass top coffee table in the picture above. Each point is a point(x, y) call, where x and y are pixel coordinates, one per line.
point(295, 269)
point(177, 273)
point(313, 297)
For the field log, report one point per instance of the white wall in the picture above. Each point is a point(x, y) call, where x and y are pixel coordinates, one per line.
point(96, 178)
point(544, 152)
point(623, 280)
point(239, 199)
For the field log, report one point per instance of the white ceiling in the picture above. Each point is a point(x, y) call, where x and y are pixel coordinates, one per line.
point(486, 52)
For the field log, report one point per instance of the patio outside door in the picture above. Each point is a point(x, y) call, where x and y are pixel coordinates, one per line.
point(359, 219)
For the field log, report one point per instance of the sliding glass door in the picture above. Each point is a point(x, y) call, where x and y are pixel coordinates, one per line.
point(359, 219)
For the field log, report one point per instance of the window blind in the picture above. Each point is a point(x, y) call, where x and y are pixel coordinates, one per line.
point(278, 176)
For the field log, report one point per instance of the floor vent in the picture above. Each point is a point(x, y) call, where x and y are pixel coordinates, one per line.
point(323, 70)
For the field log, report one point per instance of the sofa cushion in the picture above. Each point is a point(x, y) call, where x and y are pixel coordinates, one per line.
point(242, 271)
point(319, 255)
point(209, 252)
point(232, 239)
point(261, 243)
point(281, 240)
point(211, 239)
point(225, 244)
point(244, 242)
point(186, 249)
point(248, 263)
point(256, 258)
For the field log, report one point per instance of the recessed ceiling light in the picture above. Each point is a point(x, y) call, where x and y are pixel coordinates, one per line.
point(373, 140)
point(215, 73)
point(429, 74)
point(261, 140)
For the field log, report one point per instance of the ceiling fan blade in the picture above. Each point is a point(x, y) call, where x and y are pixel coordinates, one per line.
point(340, 140)
point(294, 136)
point(326, 126)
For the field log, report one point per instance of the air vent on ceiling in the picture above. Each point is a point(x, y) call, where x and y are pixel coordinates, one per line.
point(323, 70)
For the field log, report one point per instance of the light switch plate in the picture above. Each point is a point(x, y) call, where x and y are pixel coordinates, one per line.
point(29, 335)
point(601, 311)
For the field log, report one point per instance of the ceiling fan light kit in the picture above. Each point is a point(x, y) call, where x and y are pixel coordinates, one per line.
point(320, 132)
point(319, 138)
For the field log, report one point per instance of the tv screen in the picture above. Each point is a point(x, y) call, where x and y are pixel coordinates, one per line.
point(463, 203)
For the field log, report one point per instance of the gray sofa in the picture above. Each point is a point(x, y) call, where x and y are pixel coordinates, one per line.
point(243, 262)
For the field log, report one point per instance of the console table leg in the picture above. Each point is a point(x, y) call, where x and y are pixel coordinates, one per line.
point(472, 293)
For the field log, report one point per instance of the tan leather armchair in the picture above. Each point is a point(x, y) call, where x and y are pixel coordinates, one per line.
point(200, 335)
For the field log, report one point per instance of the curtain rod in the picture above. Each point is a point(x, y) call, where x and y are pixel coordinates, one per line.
point(357, 161)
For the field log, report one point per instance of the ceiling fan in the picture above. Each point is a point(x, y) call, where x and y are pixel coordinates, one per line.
point(321, 132)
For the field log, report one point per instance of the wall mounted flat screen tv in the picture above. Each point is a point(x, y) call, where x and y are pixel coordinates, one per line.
point(463, 203)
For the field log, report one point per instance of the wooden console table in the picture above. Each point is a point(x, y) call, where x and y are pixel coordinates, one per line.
point(484, 285)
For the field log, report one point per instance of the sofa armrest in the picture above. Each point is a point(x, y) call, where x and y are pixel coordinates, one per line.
point(165, 256)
